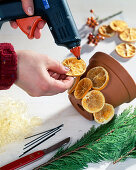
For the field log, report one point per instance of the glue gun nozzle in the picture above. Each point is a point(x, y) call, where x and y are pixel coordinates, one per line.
point(76, 52)
point(78, 57)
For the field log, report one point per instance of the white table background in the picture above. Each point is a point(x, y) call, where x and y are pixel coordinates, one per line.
point(57, 109)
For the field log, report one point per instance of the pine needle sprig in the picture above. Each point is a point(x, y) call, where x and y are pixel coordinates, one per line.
point(114, 141)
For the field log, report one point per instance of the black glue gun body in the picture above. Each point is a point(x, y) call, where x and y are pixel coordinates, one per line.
point(56, 13)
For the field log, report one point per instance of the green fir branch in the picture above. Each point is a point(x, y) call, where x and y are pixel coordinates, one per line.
point(114, 141)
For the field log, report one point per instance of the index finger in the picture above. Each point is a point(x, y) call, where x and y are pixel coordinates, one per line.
point(62, 85)
point(28, 7)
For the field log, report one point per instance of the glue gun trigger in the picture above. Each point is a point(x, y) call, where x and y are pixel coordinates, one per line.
point(28, 25)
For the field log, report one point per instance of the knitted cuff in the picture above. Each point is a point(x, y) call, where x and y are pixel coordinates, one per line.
point(8, 66)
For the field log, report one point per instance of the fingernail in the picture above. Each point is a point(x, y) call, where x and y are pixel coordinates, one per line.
point(30, 11)
point(66, 68)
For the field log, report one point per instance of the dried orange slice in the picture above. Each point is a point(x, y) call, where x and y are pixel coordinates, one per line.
point(104, 115)
point(76, 80)
point(77, 67)
point(82, 88)
point(128, 35)
point(93, 101)
point(118, 25)
point(126, 50)
point(99, 77)
point(106, 31)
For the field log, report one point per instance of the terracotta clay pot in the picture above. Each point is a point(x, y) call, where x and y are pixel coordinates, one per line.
point(121, 87)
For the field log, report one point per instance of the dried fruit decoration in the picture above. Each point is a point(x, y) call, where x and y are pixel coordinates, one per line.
point(99, 77)
point(93, 23)
point(126, 50)
point(94, 39)
point(118, 25)
point(106, 31)
point(128, 35)
point(76, 80)
point(77, 67)
point(82, 88)
point(93, 101)
point(104, 115)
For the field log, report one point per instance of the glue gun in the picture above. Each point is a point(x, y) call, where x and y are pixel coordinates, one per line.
point(55, 12)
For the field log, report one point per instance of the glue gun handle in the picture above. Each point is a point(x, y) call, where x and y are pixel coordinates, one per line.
point(12, 10)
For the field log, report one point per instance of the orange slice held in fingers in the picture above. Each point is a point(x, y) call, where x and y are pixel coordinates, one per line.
point(82, 88)
point(118, 25)
point(126, 50)
point(104, 115)
point(93, 101)
point(76, 80)
point(99, 77)
point(128, 35)
point(106, 31)
point(77, 67)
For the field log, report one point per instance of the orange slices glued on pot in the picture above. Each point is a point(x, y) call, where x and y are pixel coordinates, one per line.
point(76, 80)
point(82, 88)
point(99, 77)
point(93, 101)
point(77, 67)
point(104, 115)
point(128, 35)
point(106, 31)
point(126, 50)
point(118, 25)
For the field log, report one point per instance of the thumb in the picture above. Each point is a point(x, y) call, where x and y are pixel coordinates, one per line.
point(57, 67)
point(28, 7)
point(59, 86)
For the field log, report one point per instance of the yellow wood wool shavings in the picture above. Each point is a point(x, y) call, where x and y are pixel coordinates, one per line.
point(15, 124)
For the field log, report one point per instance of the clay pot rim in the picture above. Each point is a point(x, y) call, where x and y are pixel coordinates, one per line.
point(131, 85)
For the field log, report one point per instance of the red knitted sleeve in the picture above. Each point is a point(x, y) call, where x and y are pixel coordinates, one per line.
point(8, 66)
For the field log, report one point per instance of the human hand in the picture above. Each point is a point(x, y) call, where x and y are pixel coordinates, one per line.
point(28, 7)
point(40, 75)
